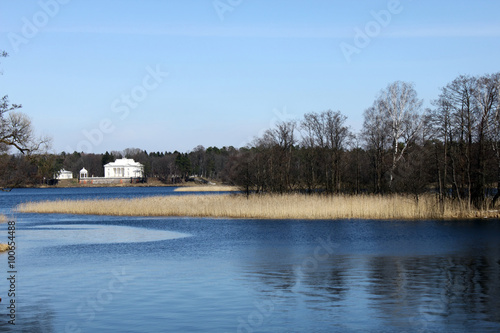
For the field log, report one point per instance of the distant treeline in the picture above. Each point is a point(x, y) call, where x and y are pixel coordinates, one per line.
point(168, 167)
point(452, 149)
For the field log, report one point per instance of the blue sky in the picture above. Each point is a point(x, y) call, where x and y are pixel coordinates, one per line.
point(93, 74)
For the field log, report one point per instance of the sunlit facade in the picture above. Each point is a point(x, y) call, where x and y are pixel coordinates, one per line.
point(124, 168)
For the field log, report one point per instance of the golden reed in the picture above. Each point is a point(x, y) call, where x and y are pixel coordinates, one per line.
point(205, 188)
point(3, 247)
point(270, 206)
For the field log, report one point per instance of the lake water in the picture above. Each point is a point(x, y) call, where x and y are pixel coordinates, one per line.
point(133, 274)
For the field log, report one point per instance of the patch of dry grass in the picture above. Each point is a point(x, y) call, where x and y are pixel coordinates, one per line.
point(207, 188)
point(4, 247)
point(291, 206)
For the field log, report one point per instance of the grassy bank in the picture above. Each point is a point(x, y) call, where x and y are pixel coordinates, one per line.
point(293, 206)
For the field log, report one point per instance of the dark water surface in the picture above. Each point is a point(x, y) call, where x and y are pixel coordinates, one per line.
point(130, 274)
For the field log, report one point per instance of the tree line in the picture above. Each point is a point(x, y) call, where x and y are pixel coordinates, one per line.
point(18, 170)
point(451, 149)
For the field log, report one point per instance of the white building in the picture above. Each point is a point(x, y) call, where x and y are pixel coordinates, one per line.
point(84, 173)
point(64, 174)
point(124, 168)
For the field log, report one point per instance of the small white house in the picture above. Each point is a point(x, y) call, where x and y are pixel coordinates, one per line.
point(64, 174)
point(84, 173)
point(124, 168)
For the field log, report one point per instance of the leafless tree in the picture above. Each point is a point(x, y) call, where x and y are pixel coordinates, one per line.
point(327, 135)
point(458, 96)
point(401, 109)
point(375, 135)
point(488, 98)
point(441, 134)
point(273, 158)
point(16, 131)
point(132, 152)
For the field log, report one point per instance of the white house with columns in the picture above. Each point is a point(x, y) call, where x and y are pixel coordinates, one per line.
point(124, 168)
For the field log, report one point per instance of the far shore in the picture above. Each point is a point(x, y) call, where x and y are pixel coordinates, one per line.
point(152, 182)
point(288, 206)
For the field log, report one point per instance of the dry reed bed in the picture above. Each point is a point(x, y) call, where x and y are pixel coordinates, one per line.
point(207, 188)
point(4, 247)
point(292, 206)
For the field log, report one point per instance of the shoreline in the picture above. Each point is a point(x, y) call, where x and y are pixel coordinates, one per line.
point(269, 206)
point(151, 183)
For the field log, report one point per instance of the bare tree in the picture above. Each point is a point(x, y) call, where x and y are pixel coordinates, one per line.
point(488, 98)
point(327, 134)
point(313, 141)
point(486, 103)
point(401, 108)
point(375, 135)
point(337, 137)
point(274, 158)
point(16, 131)
point(458, 96)
point(282, 138)
point(198, 161)
point(132, 152)
point(439, 121)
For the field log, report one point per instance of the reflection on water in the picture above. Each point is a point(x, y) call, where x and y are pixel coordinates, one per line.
point(96, 234)
point(389, 293)
point(129, 274)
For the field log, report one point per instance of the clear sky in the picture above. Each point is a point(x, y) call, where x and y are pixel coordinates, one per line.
point(170, 75)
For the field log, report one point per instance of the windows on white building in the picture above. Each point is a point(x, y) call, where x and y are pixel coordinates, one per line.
point(124, 168)
point(64, 174)
point(84, 173)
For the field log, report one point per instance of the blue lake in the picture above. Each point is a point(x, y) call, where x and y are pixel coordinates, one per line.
point(133, 274)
